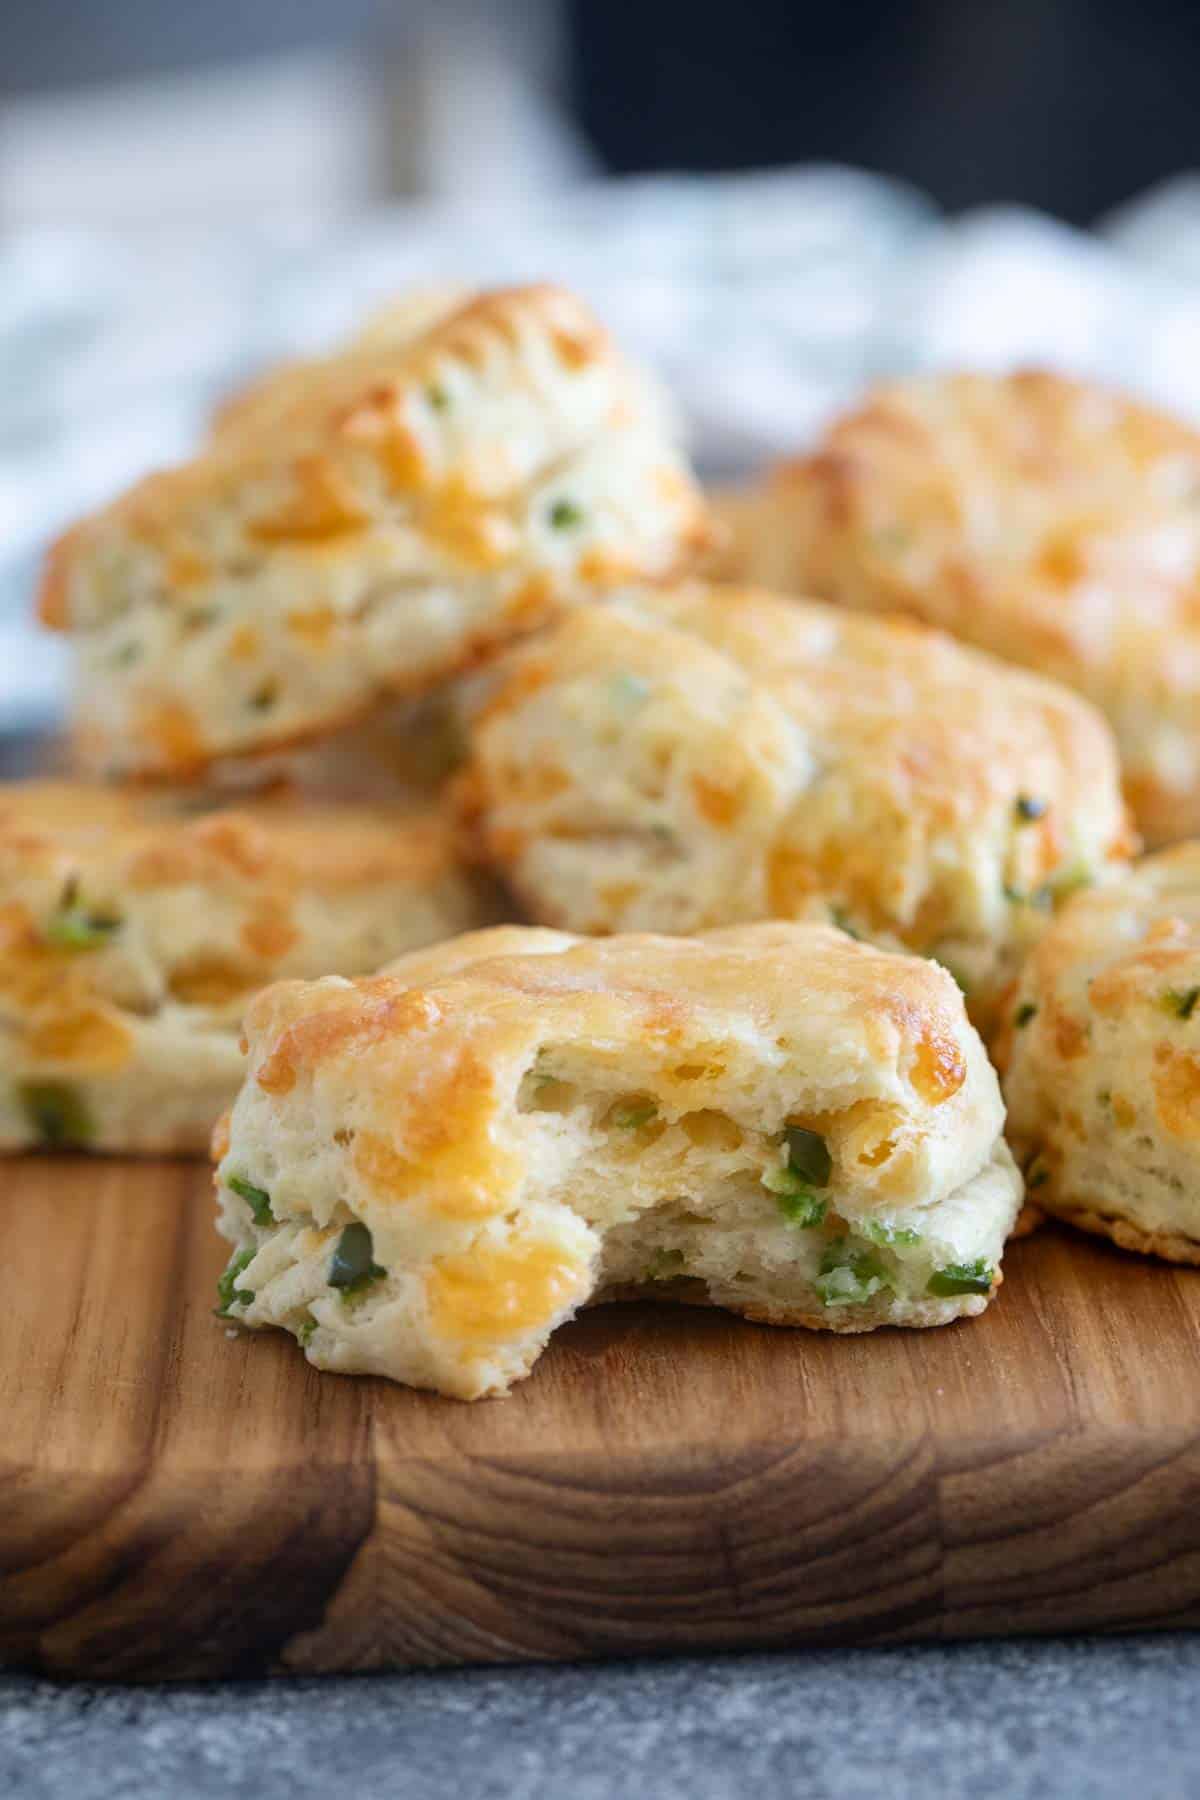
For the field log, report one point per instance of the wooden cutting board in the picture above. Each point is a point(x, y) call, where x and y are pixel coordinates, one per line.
point(174, 1502)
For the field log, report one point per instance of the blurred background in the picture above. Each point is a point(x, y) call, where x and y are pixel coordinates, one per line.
point(775, 202)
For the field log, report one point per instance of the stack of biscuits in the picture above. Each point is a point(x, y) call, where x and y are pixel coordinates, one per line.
point(554, 885)
point(266, 645)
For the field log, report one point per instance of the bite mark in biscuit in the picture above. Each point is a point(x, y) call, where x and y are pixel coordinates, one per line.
point(425, 1173)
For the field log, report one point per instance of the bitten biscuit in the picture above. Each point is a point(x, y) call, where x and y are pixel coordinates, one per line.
point(426, 1173)
point(1046, 520)
point(132, 934)
point(363, 526)
point(1102, 1048)
point(707, 755)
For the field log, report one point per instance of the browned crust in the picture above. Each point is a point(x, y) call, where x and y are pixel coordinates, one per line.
point(894, 455)
point(50, 602)
point(334, 392)
point(844, 1321)
point(1172, 1246)
point(1164, 814)
point(342, 400)
point(238, 402)
point(261, 843)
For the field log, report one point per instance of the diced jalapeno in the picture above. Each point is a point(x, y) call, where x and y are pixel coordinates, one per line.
point(1023, 1014)
point(57, 1114)
point(1029, 807)
point(564, 514)
point(889, 1235)
point(803, 1208)
point(633, 1115)
point(1045, 898)
point(962, 1278)
point(808, 1156)
point(75, 928)
point(353, 1265)
point(256, 1198)
point(228, 1291)
point(1070, 881)
point(304, 1330)
point(1181, 1001)
point(437, 397)
point(848, 1277)
point(1036, 1175)
point(797, 1202)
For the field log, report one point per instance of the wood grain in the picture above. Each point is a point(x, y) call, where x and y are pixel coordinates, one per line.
point(174, 1502)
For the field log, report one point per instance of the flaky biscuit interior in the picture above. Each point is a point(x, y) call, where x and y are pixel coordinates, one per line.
point(794, 1126)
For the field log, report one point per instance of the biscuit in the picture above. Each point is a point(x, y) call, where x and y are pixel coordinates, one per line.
point(364, 526)
point(1046, 520)
point(397, 323)
point(744, 532)
point(425, 1173)
point(133, 933)
point(1102, 1060)
point(706, 755)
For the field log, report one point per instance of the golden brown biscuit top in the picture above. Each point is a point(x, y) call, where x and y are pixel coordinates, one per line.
point(1017, 505)
point(433, 962)
point(397, 323)
point(881, 674)
point(704, 999)
point(136, 838)
point(303, 462)
point(1029, 449)
point(953, 735)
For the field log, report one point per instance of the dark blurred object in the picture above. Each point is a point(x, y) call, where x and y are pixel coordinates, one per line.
point(25, 753)
point(1070, 105)
point(68, 43)
point(133, 114)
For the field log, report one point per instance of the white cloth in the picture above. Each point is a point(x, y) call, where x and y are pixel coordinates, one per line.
point(767, 301)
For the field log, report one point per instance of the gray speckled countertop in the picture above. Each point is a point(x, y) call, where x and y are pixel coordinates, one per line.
point(1097, 1719)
